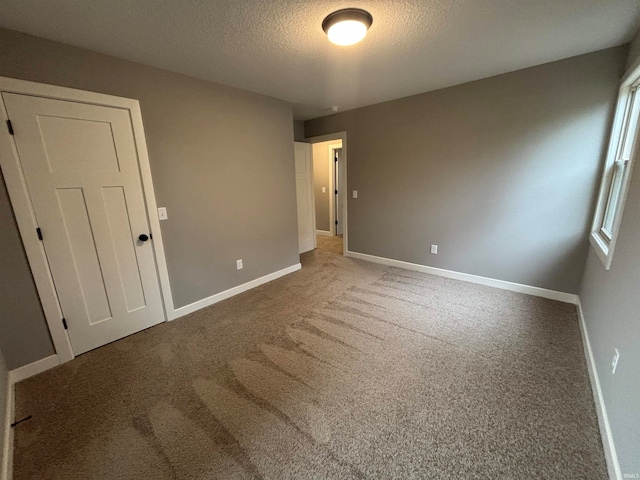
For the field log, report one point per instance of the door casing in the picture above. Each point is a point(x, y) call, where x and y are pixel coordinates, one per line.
point(332, 227)
point(337, 172)
point(23, 210)
point(309, 165)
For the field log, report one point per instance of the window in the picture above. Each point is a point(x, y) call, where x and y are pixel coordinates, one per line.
point(617, 172)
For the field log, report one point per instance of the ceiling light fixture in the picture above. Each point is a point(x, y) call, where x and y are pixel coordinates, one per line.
point(347, 26)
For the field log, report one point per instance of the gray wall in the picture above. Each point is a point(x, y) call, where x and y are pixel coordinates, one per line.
point(298, 131)
point(501, 173)
point(321, 179)
point(634, 50)
point(611, 306)
point(24, 336)
point(222, 164)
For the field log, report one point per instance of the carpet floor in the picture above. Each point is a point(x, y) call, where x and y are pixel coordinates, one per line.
point(343, 370)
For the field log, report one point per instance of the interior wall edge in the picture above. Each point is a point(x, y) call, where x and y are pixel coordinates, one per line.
point(218, 297)
point(608, 443)
point(467, 277)
point(219, 146)
point(465, 169)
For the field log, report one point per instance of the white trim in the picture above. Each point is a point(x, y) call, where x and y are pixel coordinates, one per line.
point(27, 371)
point(218, 297)
point(466, 277)
point(333, 198)
point(332, 147)
point(14, 376)
point(604, 247)
point(309, 148)
point(323, 233)
point(325, 138)
point(601, 248)
point(152, 208)
point(603, 420)
point(25, 218)
point(6, 466)
point(23, 210)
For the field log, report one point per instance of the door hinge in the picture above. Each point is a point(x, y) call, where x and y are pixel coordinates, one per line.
point(336, 192)
point(336, 222)
point(64, 323)
point(10, 127)
point(39, 232)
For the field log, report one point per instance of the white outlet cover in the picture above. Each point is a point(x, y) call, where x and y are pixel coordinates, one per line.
point(434, 249)
point(239, 264)
point(355, 194)
point(324, 189)
point(162, 213)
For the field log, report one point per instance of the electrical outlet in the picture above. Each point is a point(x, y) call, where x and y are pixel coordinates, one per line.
point(239, 264)
point(324, 189)
point(434, 249)
point(162, 213)
point(614, 361)
point(355, 194)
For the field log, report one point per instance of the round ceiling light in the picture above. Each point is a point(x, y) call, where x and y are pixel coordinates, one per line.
point(347, 26)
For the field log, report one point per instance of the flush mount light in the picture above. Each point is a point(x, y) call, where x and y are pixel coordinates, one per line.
point(347, 26)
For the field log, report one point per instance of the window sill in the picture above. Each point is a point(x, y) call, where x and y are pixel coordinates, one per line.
point(603, 249)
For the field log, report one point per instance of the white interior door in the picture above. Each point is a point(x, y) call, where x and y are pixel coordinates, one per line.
point(304, 194)
point(81, 169)
point(340, 189)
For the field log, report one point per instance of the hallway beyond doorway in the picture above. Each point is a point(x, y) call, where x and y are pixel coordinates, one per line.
point(331, 244)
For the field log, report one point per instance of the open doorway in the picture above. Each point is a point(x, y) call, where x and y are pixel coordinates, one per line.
point(329, 156)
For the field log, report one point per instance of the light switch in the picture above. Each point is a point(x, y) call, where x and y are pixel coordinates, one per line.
point(324, 189)
point(355, 194)
point(162, 213)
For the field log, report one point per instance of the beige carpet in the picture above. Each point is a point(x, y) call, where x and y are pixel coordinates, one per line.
point(343, 370)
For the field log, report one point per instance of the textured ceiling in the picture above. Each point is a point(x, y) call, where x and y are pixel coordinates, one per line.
point(278, 47)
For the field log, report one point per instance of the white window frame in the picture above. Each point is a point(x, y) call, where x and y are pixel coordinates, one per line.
point(626, 122)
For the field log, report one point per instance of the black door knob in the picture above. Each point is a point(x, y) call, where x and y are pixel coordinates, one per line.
point(143, 238)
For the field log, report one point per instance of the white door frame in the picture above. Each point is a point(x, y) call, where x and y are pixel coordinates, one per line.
point(308, 147)
point(23, 209)
point(332, 221)
point(334, 197)
point(332, 186)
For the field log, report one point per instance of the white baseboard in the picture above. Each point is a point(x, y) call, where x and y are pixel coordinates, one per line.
point(218, 297)
point(26, 371)
point(603, 420)
point(466, 277)
point(6, 466)
point(324, 233)
point(17, 375)
point(22, 373)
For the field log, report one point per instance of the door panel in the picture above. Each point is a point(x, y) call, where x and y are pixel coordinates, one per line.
point(304, 195)
point(78, 145)
point(83, 250)
point(81, 168)
point(120, 230)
